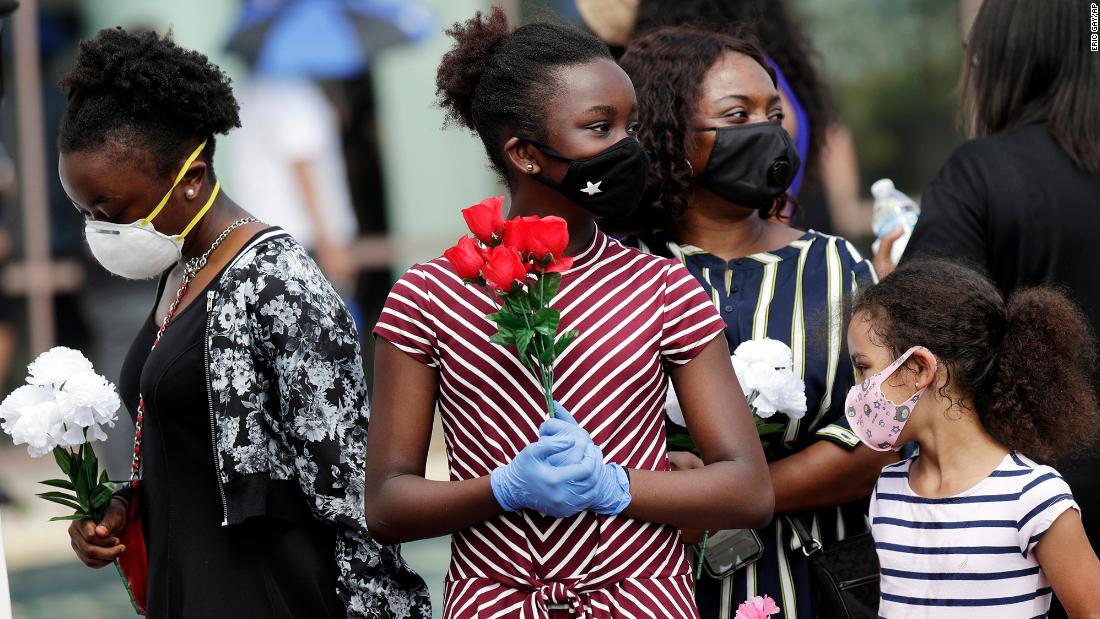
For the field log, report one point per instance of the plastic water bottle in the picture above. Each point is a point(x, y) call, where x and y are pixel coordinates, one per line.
point(892, 209)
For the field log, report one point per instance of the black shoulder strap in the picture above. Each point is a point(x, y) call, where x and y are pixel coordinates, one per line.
point(809, 544)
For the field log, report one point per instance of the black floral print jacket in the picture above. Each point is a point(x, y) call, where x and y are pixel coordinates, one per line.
point(290, 412)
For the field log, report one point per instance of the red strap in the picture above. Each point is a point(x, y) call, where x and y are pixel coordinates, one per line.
point(139, 421)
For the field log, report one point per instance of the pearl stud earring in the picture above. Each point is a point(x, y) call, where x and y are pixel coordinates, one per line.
point(530, 167)
point(190, 193)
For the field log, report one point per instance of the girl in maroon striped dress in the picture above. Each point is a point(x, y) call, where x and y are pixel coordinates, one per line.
point(558, 120)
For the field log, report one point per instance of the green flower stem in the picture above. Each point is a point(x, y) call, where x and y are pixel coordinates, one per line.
point(702, 553)
point(126, 585)
point(548, 387)
point(535, 365)
point(545, 371)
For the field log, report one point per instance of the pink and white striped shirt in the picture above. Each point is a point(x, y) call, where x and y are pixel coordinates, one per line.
point(635, 313)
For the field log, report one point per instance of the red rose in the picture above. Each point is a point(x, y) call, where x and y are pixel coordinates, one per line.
point(485, 221)
point(515, 233)
point(559, 265)
point(546, 237)
point(467, 258)
point(504, 269)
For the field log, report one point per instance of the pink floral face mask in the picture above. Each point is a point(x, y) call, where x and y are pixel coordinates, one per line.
point(874, 418)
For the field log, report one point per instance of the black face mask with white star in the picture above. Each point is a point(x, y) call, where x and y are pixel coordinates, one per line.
point(611, 184)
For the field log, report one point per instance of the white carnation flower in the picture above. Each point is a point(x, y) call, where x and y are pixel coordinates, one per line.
point(792, 397)
point(13, 406)
point(672, 407)
point(762, 384)
point(764, 369)
point(34, 428)
point(56, 365)
point(91, 398)
point(64, 405)
point(767, 351)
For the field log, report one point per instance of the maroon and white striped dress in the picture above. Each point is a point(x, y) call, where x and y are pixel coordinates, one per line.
point(635, 312)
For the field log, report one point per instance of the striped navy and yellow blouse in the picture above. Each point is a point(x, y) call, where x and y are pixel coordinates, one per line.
point(796, 294)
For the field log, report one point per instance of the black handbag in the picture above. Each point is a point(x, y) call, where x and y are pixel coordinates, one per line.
point(846, 575)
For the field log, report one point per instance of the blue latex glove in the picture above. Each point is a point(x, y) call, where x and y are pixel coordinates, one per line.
point(610, 486)
point(561, 488)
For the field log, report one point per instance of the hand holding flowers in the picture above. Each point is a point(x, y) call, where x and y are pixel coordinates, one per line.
point(62, 409)
point(561, 474)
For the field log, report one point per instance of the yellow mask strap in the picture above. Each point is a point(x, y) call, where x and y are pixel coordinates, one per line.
point(202, 211)
point(179, 177)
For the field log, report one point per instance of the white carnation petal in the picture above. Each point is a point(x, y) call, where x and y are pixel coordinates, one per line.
point(11, 409)
point(672, 408)
point(72, 437)
point(57, 365)
point(96, 433)
point(763, 413)
point(82, 416)
point(767, 351)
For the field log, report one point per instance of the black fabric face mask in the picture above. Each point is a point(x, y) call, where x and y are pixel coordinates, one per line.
point(611, 184)
point(751, 165)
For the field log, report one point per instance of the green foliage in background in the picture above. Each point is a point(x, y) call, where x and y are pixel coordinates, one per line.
point(894, 67)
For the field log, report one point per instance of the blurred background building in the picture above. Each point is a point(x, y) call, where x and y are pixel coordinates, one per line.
point(372, 143)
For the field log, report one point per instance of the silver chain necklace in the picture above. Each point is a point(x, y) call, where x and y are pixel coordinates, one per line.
point(194, 265)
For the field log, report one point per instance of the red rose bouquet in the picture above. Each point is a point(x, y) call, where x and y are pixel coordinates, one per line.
point(520, 263)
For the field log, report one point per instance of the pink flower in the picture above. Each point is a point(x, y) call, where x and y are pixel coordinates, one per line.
point(757, 608)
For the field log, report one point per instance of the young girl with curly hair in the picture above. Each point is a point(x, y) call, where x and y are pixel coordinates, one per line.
point(971, 526)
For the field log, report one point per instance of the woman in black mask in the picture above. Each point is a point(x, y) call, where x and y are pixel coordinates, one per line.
point(720, 167)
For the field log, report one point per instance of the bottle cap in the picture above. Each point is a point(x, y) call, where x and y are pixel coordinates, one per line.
point(882, 188)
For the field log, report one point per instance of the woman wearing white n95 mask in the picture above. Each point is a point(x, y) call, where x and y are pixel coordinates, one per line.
point(245, 382)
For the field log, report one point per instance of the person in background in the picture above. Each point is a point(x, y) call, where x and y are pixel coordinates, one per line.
point(721, 163)
point(8, 340)
point(558, 118)
point(806, 98)
point(244, 381)
point(981, 385)
point(1019, 201)
point(289, 168)
point(7, 330)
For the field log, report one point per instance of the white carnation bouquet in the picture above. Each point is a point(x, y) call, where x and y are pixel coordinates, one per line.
point(765, 369)
point(62, 409)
